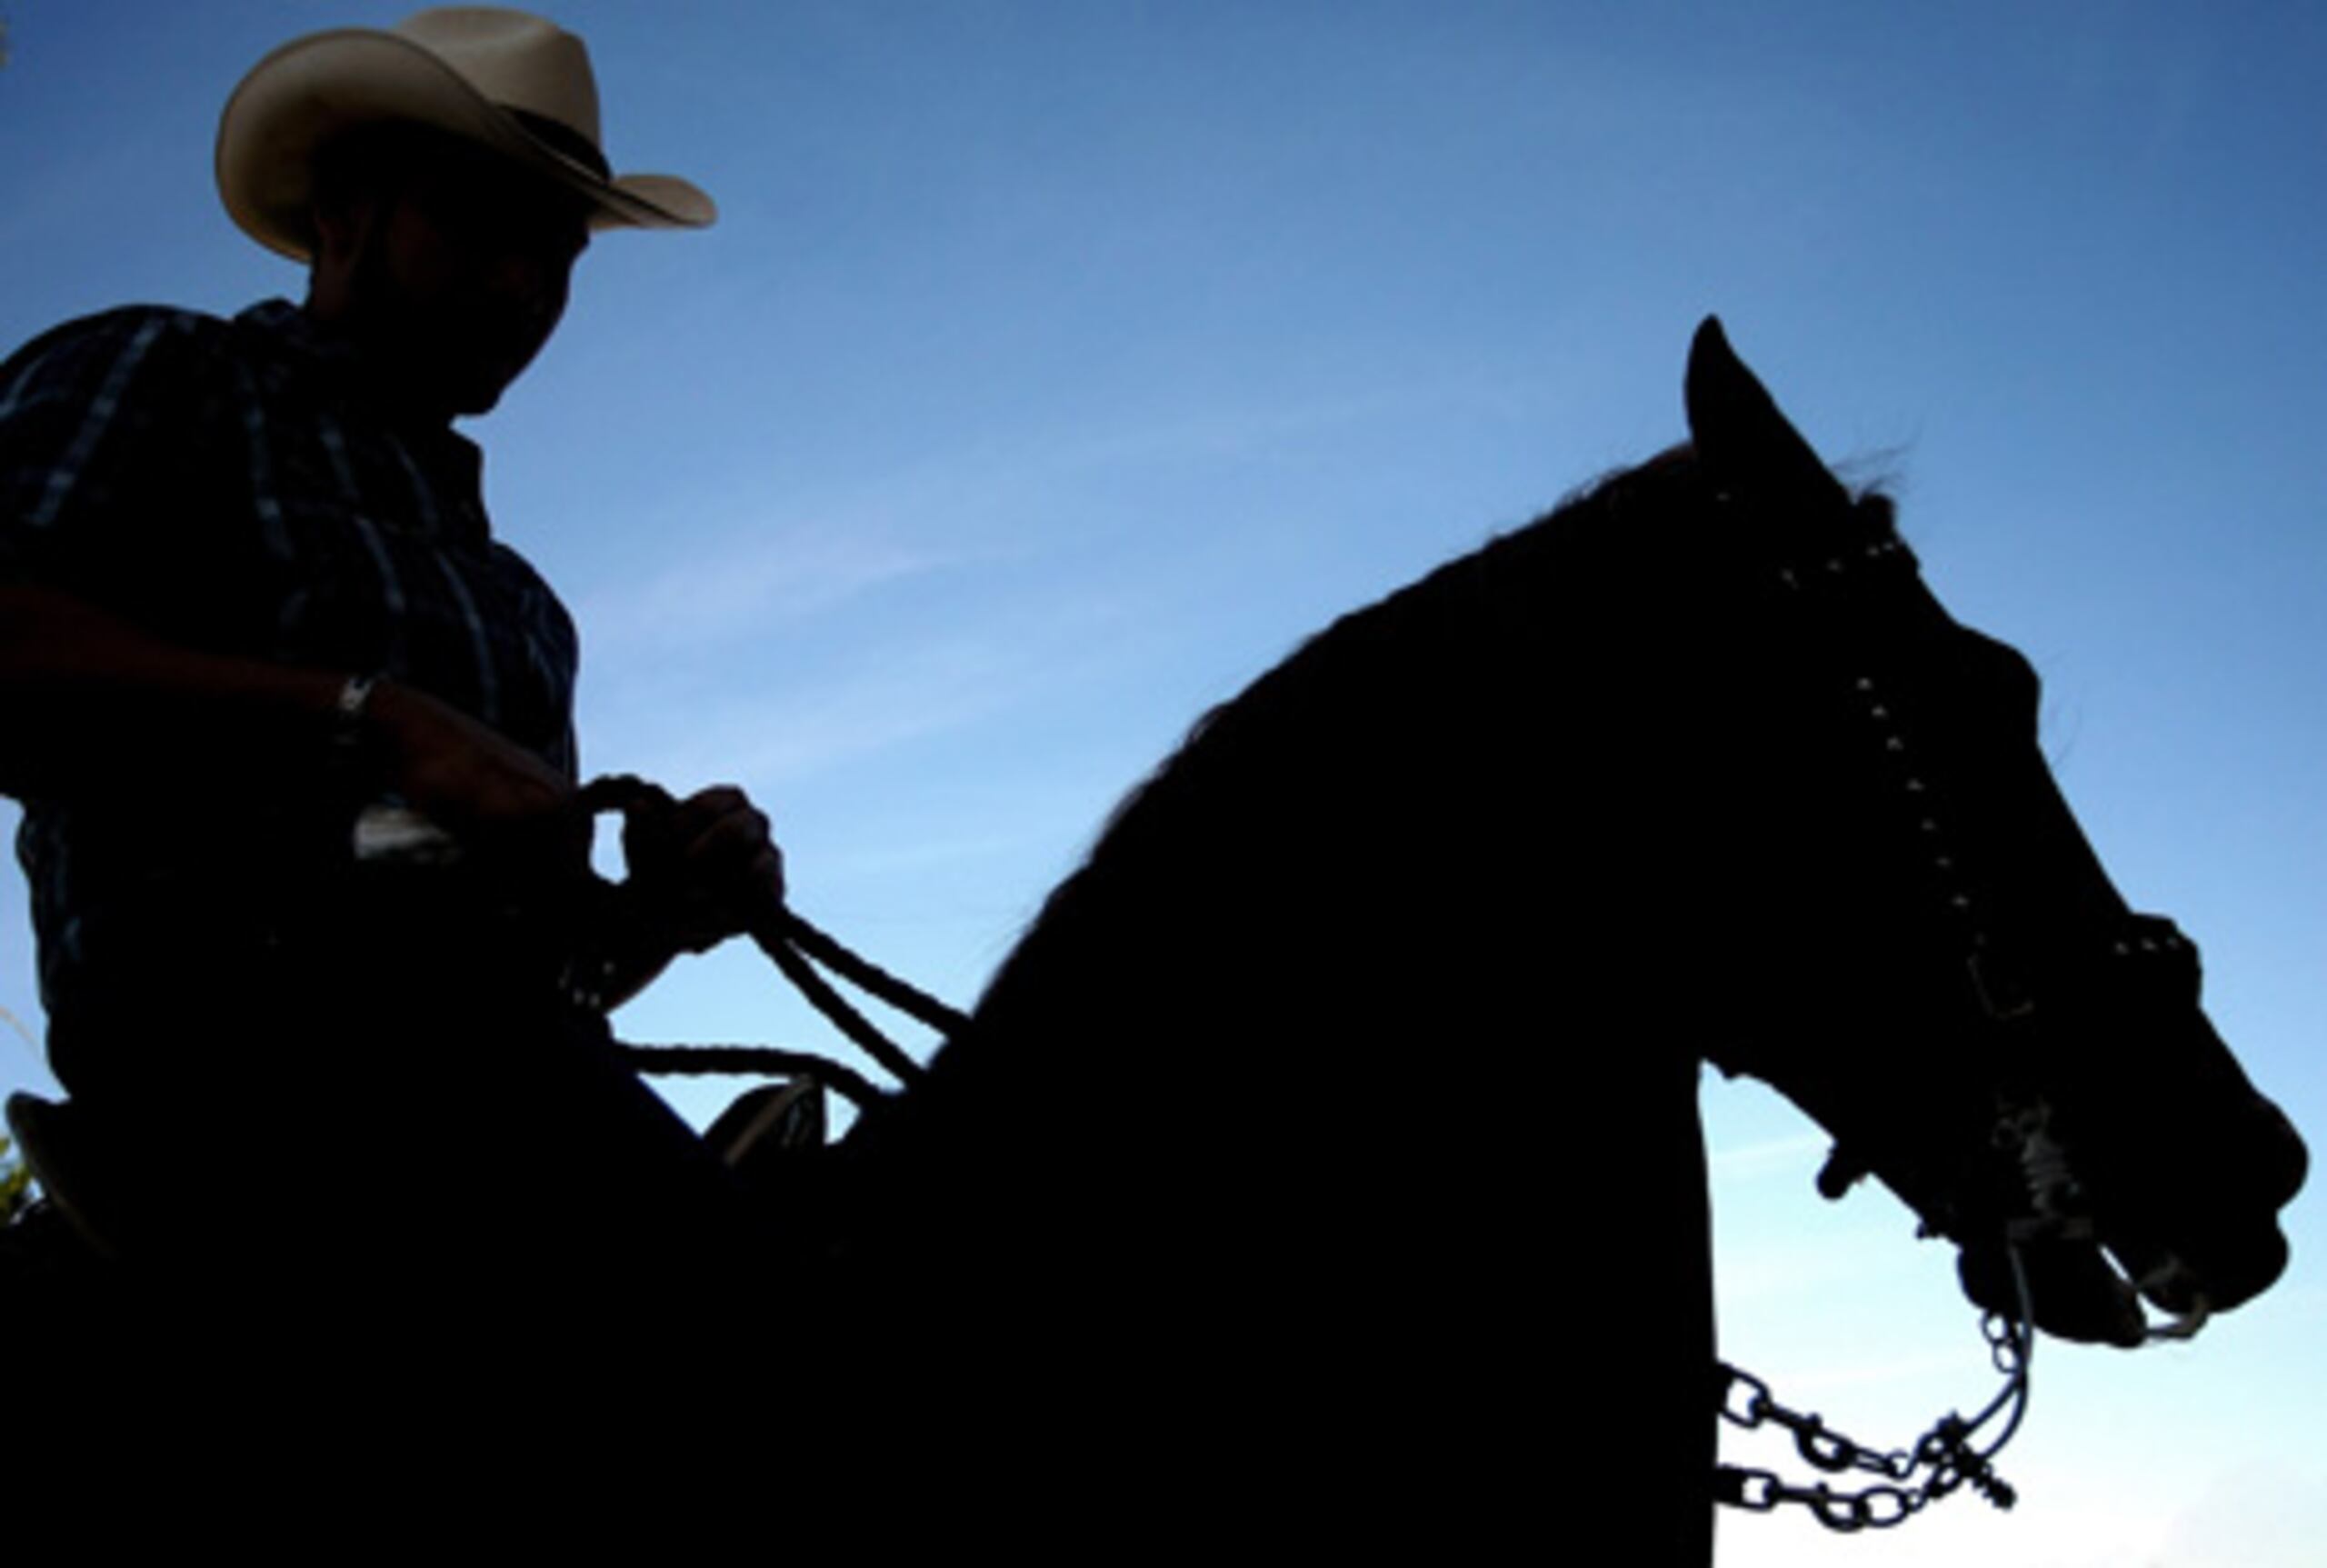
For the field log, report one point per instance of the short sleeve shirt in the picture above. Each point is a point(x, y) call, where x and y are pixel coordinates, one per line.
point(228, 486)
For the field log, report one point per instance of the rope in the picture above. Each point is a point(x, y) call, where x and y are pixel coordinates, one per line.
point(872, 979)
point(774, 938)
point(791, 943)
point(705, 1061)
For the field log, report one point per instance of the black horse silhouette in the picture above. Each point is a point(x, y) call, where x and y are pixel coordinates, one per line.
point(1324, 1164)
point(1327, 1154)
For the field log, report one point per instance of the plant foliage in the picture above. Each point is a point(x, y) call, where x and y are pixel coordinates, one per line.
point(16, 1184)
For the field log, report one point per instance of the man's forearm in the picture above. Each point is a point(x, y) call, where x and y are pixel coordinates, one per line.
point(88, 700)
point(90, 703)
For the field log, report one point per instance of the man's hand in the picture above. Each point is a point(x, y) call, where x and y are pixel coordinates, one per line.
point(707, 866)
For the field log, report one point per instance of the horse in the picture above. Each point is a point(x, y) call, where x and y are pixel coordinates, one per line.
point(1324, 1161)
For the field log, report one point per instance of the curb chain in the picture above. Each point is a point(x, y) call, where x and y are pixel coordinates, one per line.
point(1945, 1451)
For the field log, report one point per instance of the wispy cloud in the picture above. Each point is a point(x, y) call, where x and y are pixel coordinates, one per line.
point(892, 860)
point(1774, 1274)
point(1774, 1156)
point(1948, 1363)
point(2264, 1514)
point(733, 589)
point(768, 734)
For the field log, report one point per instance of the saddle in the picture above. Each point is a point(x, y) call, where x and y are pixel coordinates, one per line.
point(86, 1215)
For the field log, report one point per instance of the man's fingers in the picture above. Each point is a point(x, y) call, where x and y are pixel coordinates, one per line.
point(715, 860)
point(720, 826)
point(716, 817)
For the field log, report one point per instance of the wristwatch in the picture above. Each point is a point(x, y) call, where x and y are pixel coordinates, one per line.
point(348, 709)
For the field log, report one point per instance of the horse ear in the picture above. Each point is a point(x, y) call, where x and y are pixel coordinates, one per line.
point(1746, 445)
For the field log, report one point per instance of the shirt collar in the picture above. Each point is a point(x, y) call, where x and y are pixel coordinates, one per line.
point(335, 366)
point(321, 353)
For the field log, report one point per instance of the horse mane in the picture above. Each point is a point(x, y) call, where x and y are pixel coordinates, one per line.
point(1546, 581)
point(1554, 634)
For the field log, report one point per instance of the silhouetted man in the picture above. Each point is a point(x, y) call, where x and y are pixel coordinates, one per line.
point(247, 589)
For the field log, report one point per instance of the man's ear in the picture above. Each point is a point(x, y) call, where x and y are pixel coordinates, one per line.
point(344, 226)
point(344, 230)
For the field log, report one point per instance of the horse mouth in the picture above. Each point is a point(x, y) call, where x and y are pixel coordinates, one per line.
point(2206, 1239)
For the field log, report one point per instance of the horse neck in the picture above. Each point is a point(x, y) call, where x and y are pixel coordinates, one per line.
point(1463, 839)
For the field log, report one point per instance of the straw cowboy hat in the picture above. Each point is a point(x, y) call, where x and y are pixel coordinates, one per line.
point(512, 82)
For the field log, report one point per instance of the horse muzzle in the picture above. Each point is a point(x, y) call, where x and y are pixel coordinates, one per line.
point(2165, 1197)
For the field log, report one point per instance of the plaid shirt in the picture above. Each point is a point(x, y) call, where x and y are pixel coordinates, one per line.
point(228, 487)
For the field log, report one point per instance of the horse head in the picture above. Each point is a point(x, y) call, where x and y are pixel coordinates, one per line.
point(1965, 1001)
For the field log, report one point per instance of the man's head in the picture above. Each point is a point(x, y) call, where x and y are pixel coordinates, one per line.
point(447, 262)
point(440, 178)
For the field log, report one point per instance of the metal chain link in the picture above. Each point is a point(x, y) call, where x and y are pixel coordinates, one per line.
point(1945, 1453)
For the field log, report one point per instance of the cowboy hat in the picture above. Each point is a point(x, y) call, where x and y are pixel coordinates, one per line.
point(514, 82)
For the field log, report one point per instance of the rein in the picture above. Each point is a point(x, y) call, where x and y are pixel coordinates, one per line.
point(796, 948)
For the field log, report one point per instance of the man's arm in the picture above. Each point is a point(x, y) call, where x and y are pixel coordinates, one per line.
point(90, 702)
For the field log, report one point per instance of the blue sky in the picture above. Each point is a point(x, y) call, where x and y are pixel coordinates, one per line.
point(1056, 366)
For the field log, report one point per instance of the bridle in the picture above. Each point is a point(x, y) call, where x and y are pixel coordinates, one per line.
point(1949, 1457)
